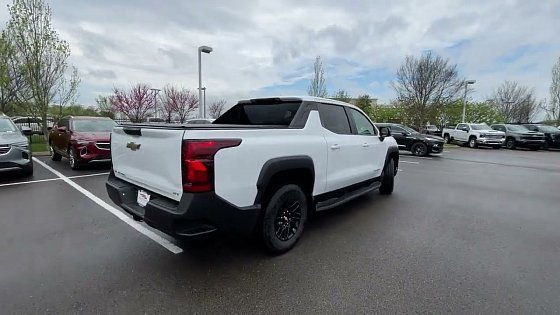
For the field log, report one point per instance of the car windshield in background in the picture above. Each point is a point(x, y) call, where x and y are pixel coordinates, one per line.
point(274, 114)
point(516, 128)
point(548, 129)
point(94, 125)
point(408, 129)
point(7, 126)
point(480, 127)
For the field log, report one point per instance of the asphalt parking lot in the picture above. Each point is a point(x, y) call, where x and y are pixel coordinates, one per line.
point(472, 231)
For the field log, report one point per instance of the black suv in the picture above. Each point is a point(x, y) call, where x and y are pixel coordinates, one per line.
point(551, 134)
point(410, 140)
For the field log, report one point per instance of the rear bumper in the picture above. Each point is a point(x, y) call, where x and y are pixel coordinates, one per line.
point(15, 158)
point(194, 215)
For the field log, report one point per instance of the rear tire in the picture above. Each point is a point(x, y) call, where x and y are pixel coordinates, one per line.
point(284, 219)
point(447, 138)
point(54, 156)
point(388, 178)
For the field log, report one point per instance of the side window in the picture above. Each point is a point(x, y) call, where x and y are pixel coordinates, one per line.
point(396, 130)
point(500, 128)
point(333, 118)
point(363, 126)
point(462, 126)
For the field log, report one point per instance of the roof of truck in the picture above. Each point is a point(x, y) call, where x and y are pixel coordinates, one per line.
point(300, 98)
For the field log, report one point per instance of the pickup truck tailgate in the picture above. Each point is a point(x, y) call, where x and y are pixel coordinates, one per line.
point(149, 158)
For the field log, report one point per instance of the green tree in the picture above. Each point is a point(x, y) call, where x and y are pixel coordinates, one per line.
point(317, 86)
point(553, 108)
point(40, 53)
point(342, 96)
point(364, 103)
point(12, 86)
point(385, 113)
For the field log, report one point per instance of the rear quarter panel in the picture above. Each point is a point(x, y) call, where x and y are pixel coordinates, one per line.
point(237, 169)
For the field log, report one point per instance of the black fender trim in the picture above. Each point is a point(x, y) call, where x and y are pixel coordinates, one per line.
point(277, 165)
point(393, 152)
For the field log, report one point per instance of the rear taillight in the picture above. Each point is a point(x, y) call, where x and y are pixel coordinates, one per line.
point(198, 162)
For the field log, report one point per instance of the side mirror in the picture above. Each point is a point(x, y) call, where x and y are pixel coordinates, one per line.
point(26, 131)
point(384, 132)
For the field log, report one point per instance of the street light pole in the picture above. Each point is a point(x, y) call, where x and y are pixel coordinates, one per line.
point(467, 82)
point(204, 101)
point(155, 91)
point(207, 50)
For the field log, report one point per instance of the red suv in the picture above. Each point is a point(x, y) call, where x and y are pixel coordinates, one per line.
point(81, 139)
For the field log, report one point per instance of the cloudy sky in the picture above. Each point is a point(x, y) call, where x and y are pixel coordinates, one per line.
point(265, 47)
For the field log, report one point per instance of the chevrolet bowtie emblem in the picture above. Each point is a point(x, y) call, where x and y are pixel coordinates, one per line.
point(133, 146)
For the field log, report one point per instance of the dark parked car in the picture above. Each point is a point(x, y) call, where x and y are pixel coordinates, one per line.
point(551, 134)
point(410, 140)
point(14, 147)
point(81, 139)
point(519, 136)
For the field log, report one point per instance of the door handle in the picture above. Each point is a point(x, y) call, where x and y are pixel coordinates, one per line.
point(365, 145)
point(335, 147)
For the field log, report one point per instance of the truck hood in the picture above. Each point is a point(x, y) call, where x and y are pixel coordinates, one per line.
point(11, 137)
point(92, 136)
point(491, 132)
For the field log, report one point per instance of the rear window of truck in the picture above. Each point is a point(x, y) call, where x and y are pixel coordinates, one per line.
point(277, 114)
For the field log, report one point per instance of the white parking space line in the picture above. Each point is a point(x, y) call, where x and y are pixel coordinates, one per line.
point(420, 157)
point(30, 182)
point(88, 175)
point(409, 162)
point(50, 179)
point(119, 214)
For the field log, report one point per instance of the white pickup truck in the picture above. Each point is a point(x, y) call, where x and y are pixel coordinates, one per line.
point(263, 167)
point(474, 135)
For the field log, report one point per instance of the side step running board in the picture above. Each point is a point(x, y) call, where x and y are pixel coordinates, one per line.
point(335, 202)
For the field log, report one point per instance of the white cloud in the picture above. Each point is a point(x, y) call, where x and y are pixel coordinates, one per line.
point(260, 43)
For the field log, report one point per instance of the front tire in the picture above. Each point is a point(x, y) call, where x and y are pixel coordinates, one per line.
point(510, 144)
point(447, 138)
point(284, 219)
point(388, 178)
point(472, 143)
point(74, 164)
point(419, 149)
point(54, 156)
point(28, 170)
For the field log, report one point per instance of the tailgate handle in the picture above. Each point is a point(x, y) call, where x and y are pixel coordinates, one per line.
point(133, 131)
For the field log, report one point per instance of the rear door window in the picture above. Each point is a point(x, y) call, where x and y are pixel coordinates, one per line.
point(334, 118)
point(260, 113)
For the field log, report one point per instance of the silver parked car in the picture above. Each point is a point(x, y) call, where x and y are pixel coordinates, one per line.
point(14, 147)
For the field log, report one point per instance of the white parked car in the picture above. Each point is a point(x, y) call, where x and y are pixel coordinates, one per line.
point(264, 166)
point(474, 135)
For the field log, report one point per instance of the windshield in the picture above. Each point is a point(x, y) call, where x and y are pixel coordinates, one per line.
point(480, 127)
point(6, 125)
point(548, 128)
point(408, 129)
point(94, 125)
point(516, 128)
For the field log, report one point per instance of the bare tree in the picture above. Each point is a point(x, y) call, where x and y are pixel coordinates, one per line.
point(186, 103)
point(67, 90)
point(137, 104)
point(317, 86)
point(553, 108)
point(425, 82)
point(216, 108)
point(168, 100)
point(342, 96)
point(517, 103)
point(41, 55)
point(104, 106)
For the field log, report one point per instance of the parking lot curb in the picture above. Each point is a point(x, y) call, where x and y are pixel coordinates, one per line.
point(41, 153)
